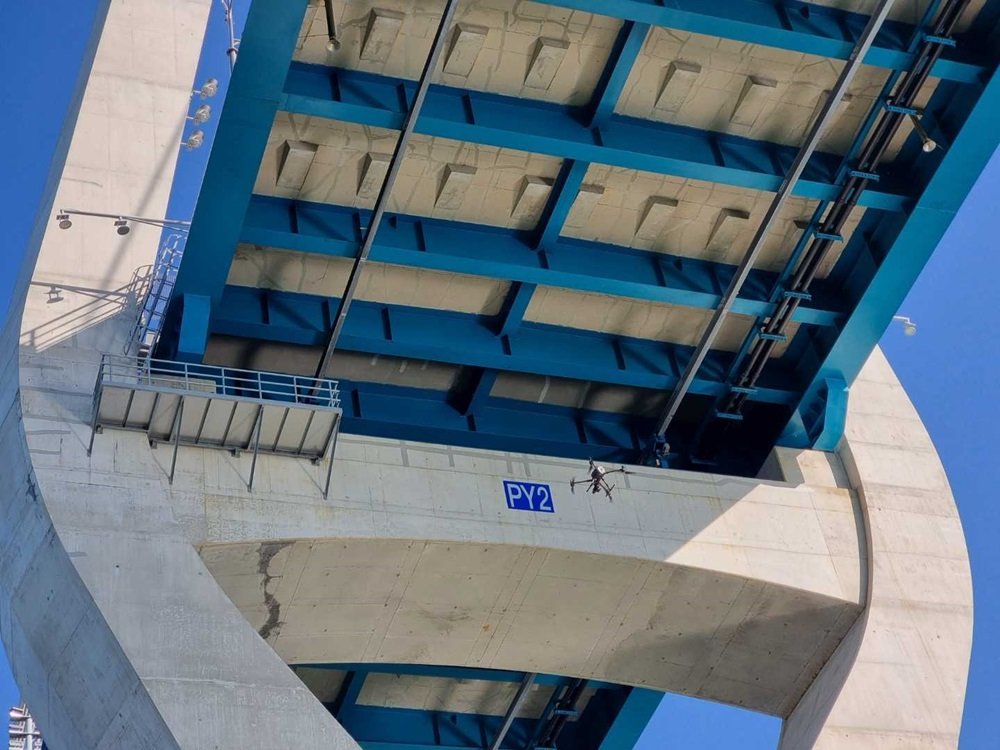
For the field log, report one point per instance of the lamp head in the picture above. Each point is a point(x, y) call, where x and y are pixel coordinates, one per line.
point(209, 88)
point(64, 220)
point(195, 140)
point(202, 114)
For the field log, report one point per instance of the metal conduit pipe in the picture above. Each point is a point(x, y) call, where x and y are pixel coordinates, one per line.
point(776, 295)
point(392, 173)
point(867, 162)
point(816, 131)
point(333, 43)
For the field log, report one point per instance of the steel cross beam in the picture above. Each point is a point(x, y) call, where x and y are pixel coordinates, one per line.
point(395, 162)
point(791, 25)
point(430, 335)
point(809, 233)
point(500, 253)
point(788, 185)
point(567, 186)
point(556, 130)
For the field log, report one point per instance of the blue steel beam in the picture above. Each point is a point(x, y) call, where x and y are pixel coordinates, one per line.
point(453, 672)
point(564, 191)
point(499, 424)
point(424, 334)
point(890, 254)
point(626, 49)
point(515, 305)
point(252, 102)
point(567, 185)
point(633, 716)
point(497, 252)
point(556, 130)
point(791, 25)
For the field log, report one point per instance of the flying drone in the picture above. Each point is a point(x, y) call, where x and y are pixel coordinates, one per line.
point(597, 481)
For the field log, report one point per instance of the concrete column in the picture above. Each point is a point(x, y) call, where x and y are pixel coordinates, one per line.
point(117, 634)
point(898, 678)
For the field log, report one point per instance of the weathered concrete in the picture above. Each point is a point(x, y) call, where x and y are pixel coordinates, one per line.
point(898, 679)
point(114, 584)
point(117, 634)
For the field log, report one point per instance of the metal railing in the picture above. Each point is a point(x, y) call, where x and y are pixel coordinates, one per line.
point(161, 374)
point(153, 306)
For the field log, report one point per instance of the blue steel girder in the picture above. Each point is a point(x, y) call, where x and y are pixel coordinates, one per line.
point(632, 718)
point(791, 25)
point(453, 672)
point(556, 130)
point(269, 37)
point(612, 82)
point(425, 334)
point(612, 715)
point(497, 252)
point(570, 179)
point(886, 254)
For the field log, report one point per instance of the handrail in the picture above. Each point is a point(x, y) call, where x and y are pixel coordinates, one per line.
point(227, 381)
point(160, 285)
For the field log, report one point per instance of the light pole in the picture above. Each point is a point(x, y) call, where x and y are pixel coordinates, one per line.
point(233, 41)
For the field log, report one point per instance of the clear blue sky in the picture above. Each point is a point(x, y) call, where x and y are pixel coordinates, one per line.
point(949, 368)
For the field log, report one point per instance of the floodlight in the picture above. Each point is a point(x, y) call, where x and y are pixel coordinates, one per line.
point(201, 115)
point(928, 144)
point(909, 327)
point(208, 89)
point(64, 221)
point(194, 140)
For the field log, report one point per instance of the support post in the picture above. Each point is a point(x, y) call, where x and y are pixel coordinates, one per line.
point(178, 416)
point(333, 451)
point(515, 705)
point(255, 437)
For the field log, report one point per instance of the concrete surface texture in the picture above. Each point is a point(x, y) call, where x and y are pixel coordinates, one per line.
point(118, 637)
point(140, 614)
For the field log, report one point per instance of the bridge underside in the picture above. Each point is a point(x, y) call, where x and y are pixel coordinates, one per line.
point(156, 595)
point(582, 181)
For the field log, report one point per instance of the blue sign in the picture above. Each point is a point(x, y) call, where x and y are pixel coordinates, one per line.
point(528, 496)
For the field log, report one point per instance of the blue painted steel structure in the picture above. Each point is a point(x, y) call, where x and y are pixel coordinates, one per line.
point(500, 253)
point(797, 399)
point(610, 718)
point(563, 132)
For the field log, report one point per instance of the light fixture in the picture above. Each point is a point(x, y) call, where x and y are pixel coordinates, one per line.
point(17, 713)
point(909, 327)
point(53, 296)
point(208, 89)
point(123, 222)
point(201, 115)
point(928, 144)
point(194, 140)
